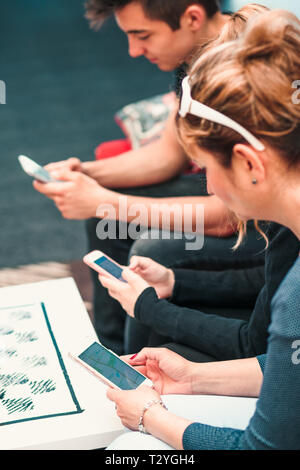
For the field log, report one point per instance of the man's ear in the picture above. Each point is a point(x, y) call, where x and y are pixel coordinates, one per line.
point(248, 164)
point(193, 18)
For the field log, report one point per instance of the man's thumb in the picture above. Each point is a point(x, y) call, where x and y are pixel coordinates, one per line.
point(62, 175)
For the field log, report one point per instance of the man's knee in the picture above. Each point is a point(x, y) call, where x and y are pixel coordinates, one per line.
point(145, 246)
point(90, 225)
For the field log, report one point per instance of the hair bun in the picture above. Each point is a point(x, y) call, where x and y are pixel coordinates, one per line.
point(266, 35)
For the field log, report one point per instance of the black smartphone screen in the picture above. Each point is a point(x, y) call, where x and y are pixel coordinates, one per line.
point(111, 367)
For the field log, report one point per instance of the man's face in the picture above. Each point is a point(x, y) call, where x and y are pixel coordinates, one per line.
point(154, 39)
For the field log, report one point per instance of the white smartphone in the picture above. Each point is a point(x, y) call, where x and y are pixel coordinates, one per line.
point(34, 170)
point(110, 368)
point(100, 262)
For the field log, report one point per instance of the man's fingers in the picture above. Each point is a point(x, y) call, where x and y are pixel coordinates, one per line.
point(55, 166)
point(69, 164)
point(50, 189)
point(65, 174)
point(57, 189)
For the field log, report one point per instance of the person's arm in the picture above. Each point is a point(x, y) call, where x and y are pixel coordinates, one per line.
point(181, 213)
point(212, 334)
point(81, 197)
point(151, 164)
point(172, 374)
point(195, 288)
point(274, 425)
point(237, 378)
point(242, 378)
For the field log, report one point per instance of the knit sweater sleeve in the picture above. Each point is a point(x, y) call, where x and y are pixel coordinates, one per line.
point(227, 338)
point(262, 361)
point(196, 288)
point(275, 424)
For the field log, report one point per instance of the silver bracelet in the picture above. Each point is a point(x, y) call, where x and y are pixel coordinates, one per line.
point(146, 407)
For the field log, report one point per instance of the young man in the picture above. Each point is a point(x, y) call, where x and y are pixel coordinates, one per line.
point(167, 33)
point(192, 23)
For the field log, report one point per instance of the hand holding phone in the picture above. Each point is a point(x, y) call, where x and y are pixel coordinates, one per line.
point(35, 171)
point(110, 368)
point(103, 264)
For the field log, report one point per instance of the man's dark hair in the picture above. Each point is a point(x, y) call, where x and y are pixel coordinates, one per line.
point(169, 11)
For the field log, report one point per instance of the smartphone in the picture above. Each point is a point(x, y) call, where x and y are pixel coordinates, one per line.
point(99, 262)
point(35, 171)
point(112, 370)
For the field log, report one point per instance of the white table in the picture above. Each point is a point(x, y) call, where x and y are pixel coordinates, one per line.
point(98, 424)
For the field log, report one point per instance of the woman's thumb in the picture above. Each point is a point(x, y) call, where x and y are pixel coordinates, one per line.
point(112, 394)
point(130, 276)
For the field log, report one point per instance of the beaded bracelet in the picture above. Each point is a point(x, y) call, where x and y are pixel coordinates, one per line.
point(146, 407)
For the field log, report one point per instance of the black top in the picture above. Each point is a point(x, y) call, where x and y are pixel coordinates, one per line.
point(180, 74)
point(217, 336)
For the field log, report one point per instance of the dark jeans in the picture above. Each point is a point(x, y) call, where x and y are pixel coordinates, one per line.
point(216, 254)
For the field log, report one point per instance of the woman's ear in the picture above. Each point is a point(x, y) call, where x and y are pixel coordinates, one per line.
point(248, 164)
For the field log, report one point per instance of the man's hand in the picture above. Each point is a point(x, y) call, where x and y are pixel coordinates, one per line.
point(76, 195)
point(71, 164)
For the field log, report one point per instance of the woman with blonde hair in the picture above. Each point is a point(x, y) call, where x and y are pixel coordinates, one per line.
point(238, 120)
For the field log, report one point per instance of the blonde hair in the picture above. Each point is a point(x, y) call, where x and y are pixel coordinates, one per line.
point(250, 80)
point(238, 22)
point(232, 29)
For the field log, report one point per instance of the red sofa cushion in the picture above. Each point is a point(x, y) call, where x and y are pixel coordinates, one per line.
point(112, 148)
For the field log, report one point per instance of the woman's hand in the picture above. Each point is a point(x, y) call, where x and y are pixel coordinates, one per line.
point(130, 403)
point(169, 372)
point(126, 293)
point(157, 276)
point(141, 274)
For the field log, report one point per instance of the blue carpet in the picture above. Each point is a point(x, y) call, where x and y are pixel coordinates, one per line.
point(64, 84)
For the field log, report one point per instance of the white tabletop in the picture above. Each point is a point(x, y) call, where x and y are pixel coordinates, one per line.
point(98, 424)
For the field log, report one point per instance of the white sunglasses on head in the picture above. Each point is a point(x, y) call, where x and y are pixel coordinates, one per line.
point(190, 106)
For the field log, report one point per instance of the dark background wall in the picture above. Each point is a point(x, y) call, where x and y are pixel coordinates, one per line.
point(64, 84)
